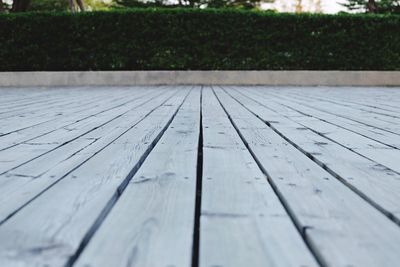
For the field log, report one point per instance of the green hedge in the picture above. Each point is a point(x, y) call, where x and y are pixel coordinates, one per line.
point(176, 39)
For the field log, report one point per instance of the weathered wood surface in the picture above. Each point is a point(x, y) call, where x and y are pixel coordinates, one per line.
point(199, 176)
point(158, 205)
point(238, 204)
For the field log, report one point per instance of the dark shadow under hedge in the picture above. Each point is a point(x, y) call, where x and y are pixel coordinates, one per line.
point(182, 39)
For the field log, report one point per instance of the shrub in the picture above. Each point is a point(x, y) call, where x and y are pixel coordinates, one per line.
point(183, 39)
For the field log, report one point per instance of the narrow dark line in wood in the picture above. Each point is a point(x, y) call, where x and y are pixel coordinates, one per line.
point(20, 129)
point(348, 118)
point(316, 132)
point(319, 133)
point(372, 106)
point(320, 119)
point(302, 230)
point(83, 162)
point(35, 105)
point(45, 108)
point(79, 120)
point(199, 184)
point(348, 148)
point(370, 201)
point(75, 138)
point(321, 99)
point(111, 203)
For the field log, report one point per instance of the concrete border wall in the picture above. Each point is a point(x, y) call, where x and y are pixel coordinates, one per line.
point(299, 78)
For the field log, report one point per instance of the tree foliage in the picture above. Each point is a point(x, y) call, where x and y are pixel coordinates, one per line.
point(75, 5)
point(245, 4)
point(382, 6)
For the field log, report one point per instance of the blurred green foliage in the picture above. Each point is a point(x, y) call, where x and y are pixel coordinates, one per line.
point(210, 39)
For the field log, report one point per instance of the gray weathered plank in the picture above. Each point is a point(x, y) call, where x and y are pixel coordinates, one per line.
point(23, 153)
point(391, 125)
point(371, 180)
point(342, 228)
point(22, 184)
point(381, 153)
point(373, 98)
point(51, 113)
point(371, 132)
point(68, 119)
point(152, 223)
point(243, 222)
point(54, 232)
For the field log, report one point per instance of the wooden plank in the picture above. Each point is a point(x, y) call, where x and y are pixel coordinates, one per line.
point(384, 151)
point(28, 95)
point(39, 104)
point(30, 133)
point(362, 98)
point(157, 207)
point(31, 96)
point(374, 98)
point(385, 115)
point(70, 104)
point(342, 228)
point(379, 185)
point(354, 115)
point(356, 99)
point(380, 153)
point(19, 122)
point(21, 185)
point(35, 96)
point(370, 132)
point(243, 222)
point(54, 233)
point(23, 153)
point(47, 114)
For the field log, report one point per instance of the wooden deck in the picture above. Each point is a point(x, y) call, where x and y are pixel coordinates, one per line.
point(199, 176)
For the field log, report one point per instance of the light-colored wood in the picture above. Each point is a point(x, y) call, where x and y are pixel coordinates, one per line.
point(39, 104)
point(22, 184)
point(391, 125)
point(372, 98)
point(364, 105)
point(330, 95)
point(23, 153)
point(54, 232)
point(371, 132)
point(50, 114)
point(342, 228)
point(312, 179)
point(242, 221)
point(153, 221)
point(67, 119)
point(371, 180)
point(383, 154)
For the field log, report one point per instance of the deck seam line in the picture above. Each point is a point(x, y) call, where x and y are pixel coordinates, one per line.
point(319, 98)
point(348, 118)
point(320, 119)
point(302, 230)
point(120, 189)
point(81, 135)
point(199, 184)
point(80, 164)
point(319, 133)
point(79, 120)
point(359, 193)
point(71, 102)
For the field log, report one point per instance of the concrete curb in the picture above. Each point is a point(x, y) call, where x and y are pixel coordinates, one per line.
point(297, 78)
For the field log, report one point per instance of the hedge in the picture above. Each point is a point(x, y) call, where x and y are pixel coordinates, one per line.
point(182, 39)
